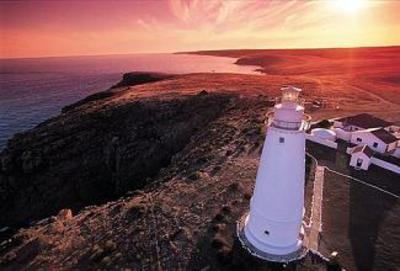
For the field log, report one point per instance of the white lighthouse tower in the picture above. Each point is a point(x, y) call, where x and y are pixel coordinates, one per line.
point(272, 229)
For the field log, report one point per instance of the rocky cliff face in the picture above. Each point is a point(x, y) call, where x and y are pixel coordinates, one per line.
point(87, 155)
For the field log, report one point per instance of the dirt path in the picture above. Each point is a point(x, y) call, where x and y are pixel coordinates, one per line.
point(379, 98)
point(381, 102)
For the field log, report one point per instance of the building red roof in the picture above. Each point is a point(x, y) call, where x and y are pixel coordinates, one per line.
point(364, 149)
point(384, 135)
point(365, 121)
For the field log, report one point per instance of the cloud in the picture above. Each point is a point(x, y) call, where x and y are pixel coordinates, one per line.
point(234, 14)
point(143, 24)
point(272, 23)
point(222, 22)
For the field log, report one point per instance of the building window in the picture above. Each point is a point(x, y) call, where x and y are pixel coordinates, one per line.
point(375, 145)
point(359, 162)
point(359, 139)
point(266, 232)
point(281, 140)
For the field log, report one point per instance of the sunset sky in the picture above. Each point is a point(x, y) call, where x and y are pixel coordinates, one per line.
point(56, 28)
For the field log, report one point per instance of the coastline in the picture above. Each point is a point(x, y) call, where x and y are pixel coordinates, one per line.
point(63, 81)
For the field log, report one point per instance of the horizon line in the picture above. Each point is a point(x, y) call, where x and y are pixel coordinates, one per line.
point(196, 51)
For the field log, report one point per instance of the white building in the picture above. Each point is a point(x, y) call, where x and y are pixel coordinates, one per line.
point(395, 131)
point(344, 127)
point(273, 225)
point(360, 122)
point(373, 141)
point(378, 139)
point(361, 157)
point(380, 135)
point(396, 152)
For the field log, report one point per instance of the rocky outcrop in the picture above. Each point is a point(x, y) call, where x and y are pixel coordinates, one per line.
point(138, 78)
point(90, 155)
point(128, 79)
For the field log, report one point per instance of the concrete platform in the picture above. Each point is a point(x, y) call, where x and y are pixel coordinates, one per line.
point(297, 255)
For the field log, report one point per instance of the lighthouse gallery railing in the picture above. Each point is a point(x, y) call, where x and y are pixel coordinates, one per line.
point(304, 124)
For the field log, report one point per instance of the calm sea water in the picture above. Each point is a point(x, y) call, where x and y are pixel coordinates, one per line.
point(32, 90)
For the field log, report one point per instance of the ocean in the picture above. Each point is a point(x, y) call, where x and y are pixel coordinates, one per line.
point(32, 90)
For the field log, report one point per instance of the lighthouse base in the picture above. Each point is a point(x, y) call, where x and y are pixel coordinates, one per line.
point(269, 253)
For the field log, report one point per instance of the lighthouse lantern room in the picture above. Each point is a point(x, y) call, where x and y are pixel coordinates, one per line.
point(273, 227)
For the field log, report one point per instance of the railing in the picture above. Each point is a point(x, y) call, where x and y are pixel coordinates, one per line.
point(304, 124)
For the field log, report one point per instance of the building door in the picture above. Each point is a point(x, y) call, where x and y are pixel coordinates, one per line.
point(359, 162)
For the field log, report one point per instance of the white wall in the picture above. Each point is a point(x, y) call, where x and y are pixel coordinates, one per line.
point(337, 124)
point(392, 146)
point(342, 134)
point(368, 139)
point(349, 150)
point(375, 161)
point(385, 165)
point(321, 141)
point(397, 153)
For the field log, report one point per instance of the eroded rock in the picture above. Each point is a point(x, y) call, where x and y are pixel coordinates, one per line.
point(97, 153)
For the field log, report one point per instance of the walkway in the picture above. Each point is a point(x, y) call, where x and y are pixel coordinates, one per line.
point(316, 211)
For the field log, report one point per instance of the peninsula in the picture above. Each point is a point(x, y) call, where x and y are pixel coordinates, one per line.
point(154, 172)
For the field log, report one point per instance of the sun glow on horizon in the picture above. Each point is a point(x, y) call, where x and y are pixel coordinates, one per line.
point(349, 6)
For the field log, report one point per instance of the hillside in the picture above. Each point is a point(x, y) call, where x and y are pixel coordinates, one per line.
point(375, 69)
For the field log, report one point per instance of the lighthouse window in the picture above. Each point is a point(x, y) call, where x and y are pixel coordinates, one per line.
point(281, 140)
point(375, 145)
point(266, 232)
point(359, 139)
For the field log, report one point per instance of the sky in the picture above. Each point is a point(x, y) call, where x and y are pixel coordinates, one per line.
point(64, 28)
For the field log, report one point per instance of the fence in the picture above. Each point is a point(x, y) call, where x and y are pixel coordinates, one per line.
point(342, 134)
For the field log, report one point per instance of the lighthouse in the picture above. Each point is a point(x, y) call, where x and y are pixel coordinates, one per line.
point(272, 229)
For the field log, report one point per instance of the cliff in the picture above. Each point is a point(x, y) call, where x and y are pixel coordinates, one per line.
point(93, 152)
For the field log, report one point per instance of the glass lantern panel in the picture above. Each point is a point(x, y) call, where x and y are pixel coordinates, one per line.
point(290, 95)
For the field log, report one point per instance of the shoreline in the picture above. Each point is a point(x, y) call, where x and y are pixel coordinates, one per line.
point(62, 84)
